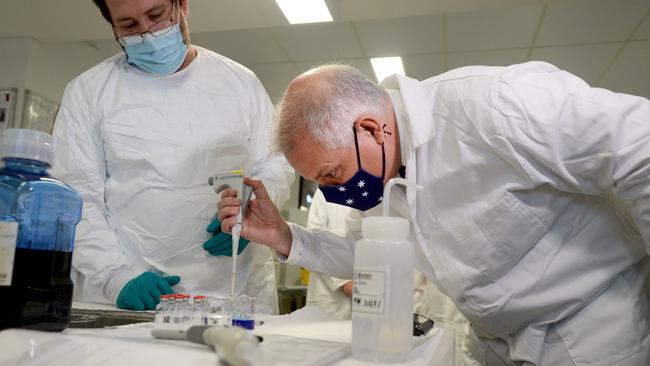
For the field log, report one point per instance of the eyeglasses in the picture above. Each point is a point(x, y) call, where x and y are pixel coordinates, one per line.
point(157, 29)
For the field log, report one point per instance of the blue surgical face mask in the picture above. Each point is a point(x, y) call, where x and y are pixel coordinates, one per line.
point(162, 55)
point(363, 191)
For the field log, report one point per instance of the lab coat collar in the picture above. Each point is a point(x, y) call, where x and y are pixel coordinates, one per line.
point(413, 106)
point(400, 119)
point(415, 129)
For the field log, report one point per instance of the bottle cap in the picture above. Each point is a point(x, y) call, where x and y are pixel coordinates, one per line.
point(26, 144)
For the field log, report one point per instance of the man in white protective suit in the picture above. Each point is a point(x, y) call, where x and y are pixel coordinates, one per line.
point(535, 212)
point(138, 136)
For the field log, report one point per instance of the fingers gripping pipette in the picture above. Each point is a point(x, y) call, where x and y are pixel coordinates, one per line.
point(221, 182)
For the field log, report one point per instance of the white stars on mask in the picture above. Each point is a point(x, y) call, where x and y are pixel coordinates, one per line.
point(361, 192)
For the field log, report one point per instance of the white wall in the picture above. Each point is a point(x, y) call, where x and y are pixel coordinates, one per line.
point(14, 54)
point(13, 65)
point(52, 66)
point(45, 70)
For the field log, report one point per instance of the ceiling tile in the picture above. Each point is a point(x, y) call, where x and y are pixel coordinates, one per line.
point(487, 58)
point(210, 15)
point(310, 42)
point(245, 46)
point(424, 66)
point(401, 36)
point(644, 31)
point(590, 21)
point(506, 28)
point(378, 9)
point(275, 77)
point(587, 62)
point(631, 71)
point(361, 64)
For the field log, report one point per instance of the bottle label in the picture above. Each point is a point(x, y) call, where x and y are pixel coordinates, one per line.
point(370, 292)
point(8, 236)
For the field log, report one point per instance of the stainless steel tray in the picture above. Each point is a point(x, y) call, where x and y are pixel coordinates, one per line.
point(83, 318)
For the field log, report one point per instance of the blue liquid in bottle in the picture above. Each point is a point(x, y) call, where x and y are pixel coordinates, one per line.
point(42, 212)
point(244, 323)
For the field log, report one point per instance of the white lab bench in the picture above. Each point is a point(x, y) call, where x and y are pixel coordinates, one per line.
point(305, 337)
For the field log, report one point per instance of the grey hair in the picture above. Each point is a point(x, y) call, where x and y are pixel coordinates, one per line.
point(327, 110)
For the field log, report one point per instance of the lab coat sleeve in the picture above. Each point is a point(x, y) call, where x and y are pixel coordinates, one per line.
point(562, 132)
point(272, 169)
point(322, 251)
point(80, 162)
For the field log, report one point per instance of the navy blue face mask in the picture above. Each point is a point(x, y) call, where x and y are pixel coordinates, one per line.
point(363, 191)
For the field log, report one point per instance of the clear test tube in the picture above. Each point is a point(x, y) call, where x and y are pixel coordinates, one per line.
point(243, 314)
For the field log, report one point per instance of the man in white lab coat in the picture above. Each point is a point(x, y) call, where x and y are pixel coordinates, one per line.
point(535, 213)
point(330, 294)
point(138, 136)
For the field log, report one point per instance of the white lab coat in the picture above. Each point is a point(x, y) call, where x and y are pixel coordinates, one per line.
point(534, 217)
point(326, 291)
point(139, 148)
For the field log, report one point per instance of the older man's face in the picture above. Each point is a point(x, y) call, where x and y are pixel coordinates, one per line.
point(334, 167)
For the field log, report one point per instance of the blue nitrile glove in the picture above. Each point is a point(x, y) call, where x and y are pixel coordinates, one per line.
point(221, 243)
point(143, 292)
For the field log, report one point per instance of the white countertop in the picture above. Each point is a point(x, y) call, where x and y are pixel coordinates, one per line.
point(305, 337)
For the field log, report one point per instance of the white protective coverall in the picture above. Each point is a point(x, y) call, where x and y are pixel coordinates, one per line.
point(535, 214)
point(139, 148)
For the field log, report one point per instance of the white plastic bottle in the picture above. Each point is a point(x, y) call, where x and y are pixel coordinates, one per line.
point(382, 297)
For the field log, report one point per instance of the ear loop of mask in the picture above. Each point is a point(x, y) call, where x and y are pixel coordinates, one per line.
point(383, 154)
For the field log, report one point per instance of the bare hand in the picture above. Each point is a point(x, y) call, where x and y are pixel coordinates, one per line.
point(262, 221)
point(347, 288)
